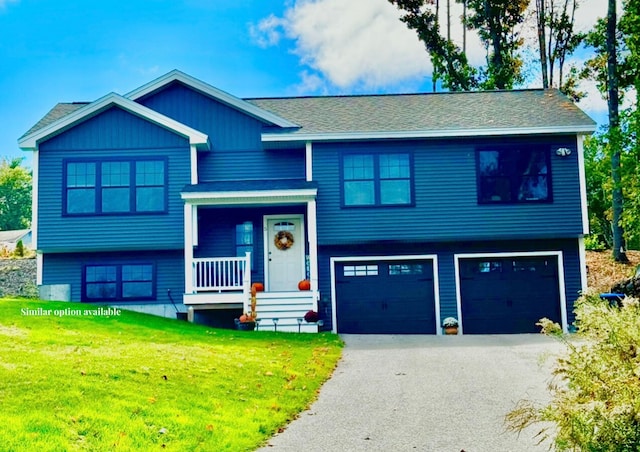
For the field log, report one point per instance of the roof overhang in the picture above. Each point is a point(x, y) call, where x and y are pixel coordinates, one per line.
point(195, 137)
point(213, 92)
point(250, 197)
point(418, 134)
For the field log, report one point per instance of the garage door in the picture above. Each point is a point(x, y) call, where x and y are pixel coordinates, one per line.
point(385, 297)
point(508, 295)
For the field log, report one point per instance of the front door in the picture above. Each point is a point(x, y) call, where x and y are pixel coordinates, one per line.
point(285, 253)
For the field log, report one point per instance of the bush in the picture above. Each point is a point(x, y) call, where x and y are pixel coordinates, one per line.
point(19, 251)
point(595, 393)
point(592, 242)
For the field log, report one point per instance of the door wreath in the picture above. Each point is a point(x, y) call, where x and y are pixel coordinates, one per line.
point(283, 240)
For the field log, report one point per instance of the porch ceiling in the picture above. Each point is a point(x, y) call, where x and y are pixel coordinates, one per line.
point(250, 192)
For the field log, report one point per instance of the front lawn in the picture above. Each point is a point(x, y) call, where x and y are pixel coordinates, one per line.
point(139, 382)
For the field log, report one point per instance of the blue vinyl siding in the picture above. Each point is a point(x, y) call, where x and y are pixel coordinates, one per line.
point(237, 151)
point(112, 134)
point(68, 268)
point(446, 266)
point(446, 197)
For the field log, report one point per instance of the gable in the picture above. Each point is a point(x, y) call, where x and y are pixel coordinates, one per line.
point(241, 105)
point(114, 128)
point(227, 127)
point(54, 124)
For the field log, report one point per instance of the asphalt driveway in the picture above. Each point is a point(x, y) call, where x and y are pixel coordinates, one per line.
point(425, 393)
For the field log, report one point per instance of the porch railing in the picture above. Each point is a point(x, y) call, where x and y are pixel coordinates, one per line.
point(222, 274)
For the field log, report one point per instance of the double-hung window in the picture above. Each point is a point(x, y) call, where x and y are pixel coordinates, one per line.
point(514, 175)
point(119, 282)
point(119, 186)
point(377, 179)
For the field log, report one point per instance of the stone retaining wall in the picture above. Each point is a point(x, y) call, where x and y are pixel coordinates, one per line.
point(18, 278)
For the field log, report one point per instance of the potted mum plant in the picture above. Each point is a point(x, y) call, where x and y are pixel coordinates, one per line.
point(450, 325)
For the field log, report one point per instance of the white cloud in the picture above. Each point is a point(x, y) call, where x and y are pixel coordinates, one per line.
point(268, 31)
point(362, 45)
point(355, 44)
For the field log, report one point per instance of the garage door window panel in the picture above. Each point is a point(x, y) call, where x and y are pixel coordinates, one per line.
point(360, 270)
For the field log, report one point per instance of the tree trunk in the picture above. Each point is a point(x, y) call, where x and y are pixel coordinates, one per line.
point(614, 135)
point(542, 42)
point(434, 78)
point(448, 20)
point(464, 26)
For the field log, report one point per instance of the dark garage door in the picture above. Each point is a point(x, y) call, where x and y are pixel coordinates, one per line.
point(385, 297)
point(508, 295)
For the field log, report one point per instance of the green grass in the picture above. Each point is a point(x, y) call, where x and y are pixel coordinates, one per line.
point(139, 382)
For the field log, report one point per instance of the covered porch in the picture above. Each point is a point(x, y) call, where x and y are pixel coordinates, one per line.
point(241, 233)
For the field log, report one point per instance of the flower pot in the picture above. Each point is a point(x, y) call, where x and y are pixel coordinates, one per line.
point(245, 326)
point(450, 330)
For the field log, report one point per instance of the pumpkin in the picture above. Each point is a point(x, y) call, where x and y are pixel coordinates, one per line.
point(245, 318)
point(258, 286)
point(305, 284)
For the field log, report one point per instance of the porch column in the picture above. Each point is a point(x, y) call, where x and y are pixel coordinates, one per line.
point(312, 228)
point(188, 248)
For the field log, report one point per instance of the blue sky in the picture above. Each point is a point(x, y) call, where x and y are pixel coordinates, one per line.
point(77, 50)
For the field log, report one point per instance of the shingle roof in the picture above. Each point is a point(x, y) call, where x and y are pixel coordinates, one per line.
point(59, 111)
point(431, 112)
point(518, 109)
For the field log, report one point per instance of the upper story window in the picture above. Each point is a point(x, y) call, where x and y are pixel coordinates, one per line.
point(512, 175)
point(377, 179)
point(115, 187)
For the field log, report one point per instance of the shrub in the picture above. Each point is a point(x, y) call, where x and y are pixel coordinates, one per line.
point(592, 242)
point(19, 251)
point(595, 393)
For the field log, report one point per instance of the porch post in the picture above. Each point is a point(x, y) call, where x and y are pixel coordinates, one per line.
point(312, 228)
point(188, 248)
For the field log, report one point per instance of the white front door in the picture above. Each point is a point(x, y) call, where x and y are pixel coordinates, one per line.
point(285, 253)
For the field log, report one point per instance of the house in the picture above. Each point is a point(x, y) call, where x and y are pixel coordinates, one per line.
point(9, 239)
point(401, 210)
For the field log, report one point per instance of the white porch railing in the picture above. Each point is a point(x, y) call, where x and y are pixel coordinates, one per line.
point(222, 274)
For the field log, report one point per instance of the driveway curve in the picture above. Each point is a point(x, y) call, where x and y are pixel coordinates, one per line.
point(425, 393)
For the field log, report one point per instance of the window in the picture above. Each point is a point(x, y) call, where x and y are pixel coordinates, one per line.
point(514, 176)
point(405, 269)
point(377, 180)
point(244, 240)
point(119, 282)
point(360, 270)
point(115, 187)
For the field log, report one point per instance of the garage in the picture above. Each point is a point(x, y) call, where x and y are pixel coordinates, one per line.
point(385, 296)
point(506, 295)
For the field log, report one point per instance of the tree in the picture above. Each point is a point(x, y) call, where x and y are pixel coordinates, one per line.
point(614, 134)
point(449, 62)
point(555, 20)
point(495, 22)
point(15, 195)
point(615, 69)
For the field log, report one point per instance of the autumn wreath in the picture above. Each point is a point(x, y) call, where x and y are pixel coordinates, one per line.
point(283, 240)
